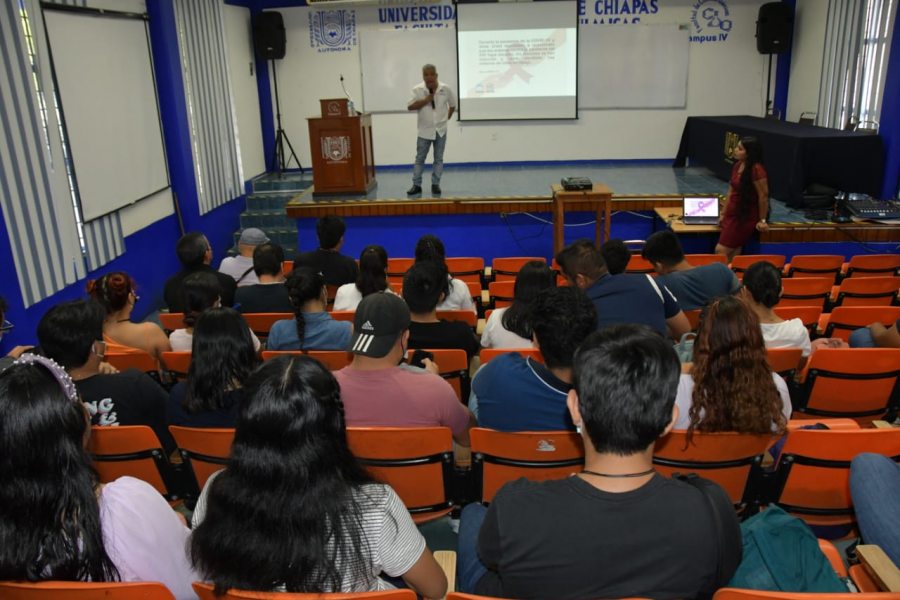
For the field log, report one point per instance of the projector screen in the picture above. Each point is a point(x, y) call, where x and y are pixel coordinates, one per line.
point(104, 76)
point(517, 60)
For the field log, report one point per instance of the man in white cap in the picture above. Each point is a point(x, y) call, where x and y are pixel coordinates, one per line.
point(240, 267)
point(379, 391)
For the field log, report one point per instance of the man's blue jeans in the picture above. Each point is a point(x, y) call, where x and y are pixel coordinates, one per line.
point(862, 338)
point(422, 146)
point(469, 567)
point(875, 488)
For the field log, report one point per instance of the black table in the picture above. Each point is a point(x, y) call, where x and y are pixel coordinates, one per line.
point(794, 155)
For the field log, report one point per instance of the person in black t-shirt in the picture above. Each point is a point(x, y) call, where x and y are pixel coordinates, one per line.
point(424, 287)
point(71, 333)
point(616, 529)
point(270, 295)
point(337, 268)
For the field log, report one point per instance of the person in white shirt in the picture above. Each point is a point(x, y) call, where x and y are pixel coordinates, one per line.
point(435, 103)
point(241, 266)
point(372, 278)
point(762, 291)
point(509, 327)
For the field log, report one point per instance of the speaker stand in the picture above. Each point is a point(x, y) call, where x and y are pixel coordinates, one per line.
point(281, 137)
point(769, 112)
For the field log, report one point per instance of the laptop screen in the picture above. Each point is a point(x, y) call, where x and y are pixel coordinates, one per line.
point(701, 206)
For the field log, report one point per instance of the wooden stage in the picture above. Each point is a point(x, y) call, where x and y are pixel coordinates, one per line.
point(305, 206)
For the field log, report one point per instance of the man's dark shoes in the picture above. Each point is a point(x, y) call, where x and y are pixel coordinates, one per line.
point(435, 189)
point(416, 189)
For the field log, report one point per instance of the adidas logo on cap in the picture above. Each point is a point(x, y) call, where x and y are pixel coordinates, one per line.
point(368, 326)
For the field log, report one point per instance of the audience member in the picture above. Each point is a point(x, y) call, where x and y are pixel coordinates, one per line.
point(372, 278)
point(71, 333)
point(512, 393)
point(430, 248)
point(116, 293)
point(6, 326)
point(692, 286)
point(195, 255)
point(294, 509)
point(378, 391)
point(876, 335)
point(875, 489)
point(201, 292)
point(621, 299)
point(240, 267)
point(761, 292)
point(423, 290)
point(546, 539)
point(312, 328)
point(616, 256)
point(509, 327)
point(222, 357)
point(327, 259)
point(268, 294)
point(731, 386)
point(57, 521)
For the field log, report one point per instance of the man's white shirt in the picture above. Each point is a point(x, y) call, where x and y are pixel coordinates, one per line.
point(433, 121)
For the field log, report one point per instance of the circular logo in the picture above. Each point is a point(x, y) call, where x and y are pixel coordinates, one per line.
point(711, 15)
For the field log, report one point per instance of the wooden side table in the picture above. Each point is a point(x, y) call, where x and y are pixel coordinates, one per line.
point(597, 199)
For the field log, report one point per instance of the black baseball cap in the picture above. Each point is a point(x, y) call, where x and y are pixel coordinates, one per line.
point(380, 318)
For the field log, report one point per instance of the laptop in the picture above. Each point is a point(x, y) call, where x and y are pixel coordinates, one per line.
point(701, 210)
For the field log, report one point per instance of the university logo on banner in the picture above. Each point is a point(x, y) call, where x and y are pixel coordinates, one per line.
point(332, 30)
point(711, 21)
point(336, 148)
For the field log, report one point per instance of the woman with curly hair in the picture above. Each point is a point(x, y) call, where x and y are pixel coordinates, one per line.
point(372, 278)
point(730, 386)
point(293, 510)
point(117, 294)
point(57, 521)
point(748, 199)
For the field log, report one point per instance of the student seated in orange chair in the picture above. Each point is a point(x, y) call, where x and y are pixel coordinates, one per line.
point(616, 529)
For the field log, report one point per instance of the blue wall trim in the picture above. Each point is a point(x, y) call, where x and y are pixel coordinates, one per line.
point(890, 120)
point(783, 72)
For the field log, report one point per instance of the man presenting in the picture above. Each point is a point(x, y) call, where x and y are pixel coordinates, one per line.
point(435, 103)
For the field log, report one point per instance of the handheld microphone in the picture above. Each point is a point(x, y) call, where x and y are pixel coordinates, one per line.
point(432, 98)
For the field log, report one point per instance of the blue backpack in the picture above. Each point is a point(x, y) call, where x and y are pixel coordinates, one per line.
point(780, 553)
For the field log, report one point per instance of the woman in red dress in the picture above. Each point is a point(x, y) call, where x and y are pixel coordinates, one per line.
point(748, 199)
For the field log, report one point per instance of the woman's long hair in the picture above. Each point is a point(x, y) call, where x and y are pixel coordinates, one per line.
point(49, 514)
point(303, 284)
point(532, 278)
point(733, 386)
point(431, 248)
point(222, 357)
point(746, 189)
point(372, 276)
point(111, 290)
point(200, 292)
point(283, 512)
point(763, 281)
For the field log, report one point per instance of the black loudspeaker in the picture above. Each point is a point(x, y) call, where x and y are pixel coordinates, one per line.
point(774, 28)
point(269, 39)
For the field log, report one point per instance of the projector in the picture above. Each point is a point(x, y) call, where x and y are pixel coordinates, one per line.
point(576, 184)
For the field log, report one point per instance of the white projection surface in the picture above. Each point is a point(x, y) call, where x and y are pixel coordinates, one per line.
point(105, 81)
point(517, 60)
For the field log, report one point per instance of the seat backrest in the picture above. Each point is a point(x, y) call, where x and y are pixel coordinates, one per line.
point(488, 354)
point(739, 594)
point(868, 291)
point(741, 262)
point(502, 293)
point(454, 367)
point(815, 265)
point(693, 317)
point(466, 268)
point(261, 323)
point(846, 319)
point(506, 268)
point(334, 360)
point(177, 363)
point(809, 315)
point(81, 590)
point(638, 264)
point(812, 477)
point(343, 315)
point(141, 361)
point(132, 450)
point(499, 457)
point(805, 291)
point(171, 321)
point(397, 268)
point(204, 450)
point(204, 591)
point(730, 459)
point(417, 462)
point(856, 383)
point(286, 267)
point(873, 265)
point(466, 316)
point(698, 260)
point(784, 361)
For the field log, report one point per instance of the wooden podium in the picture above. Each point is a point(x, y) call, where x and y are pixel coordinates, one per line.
point(340, 145)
